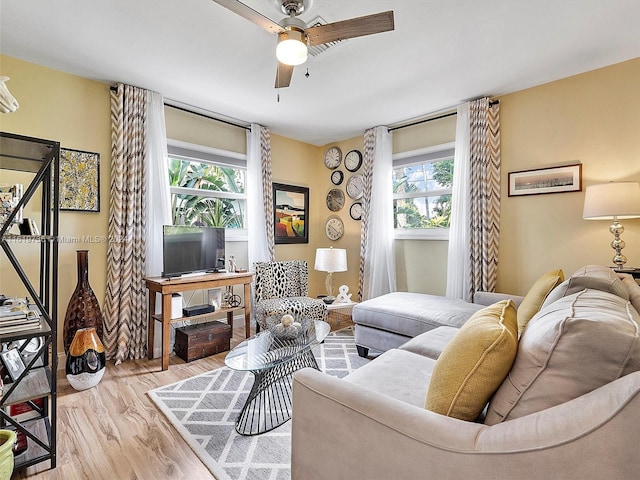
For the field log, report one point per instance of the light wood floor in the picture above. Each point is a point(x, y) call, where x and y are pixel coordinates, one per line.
point(114, 431)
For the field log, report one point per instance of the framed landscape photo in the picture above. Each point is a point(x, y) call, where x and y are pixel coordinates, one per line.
point(79, 180)
point(566, 178)
point(290, 214)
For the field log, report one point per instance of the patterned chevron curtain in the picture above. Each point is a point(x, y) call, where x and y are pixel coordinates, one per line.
point(485, 195)
point(125, 307)
point(475, 229)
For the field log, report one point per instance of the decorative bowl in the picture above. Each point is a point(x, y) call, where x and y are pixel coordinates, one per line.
point(287, 327)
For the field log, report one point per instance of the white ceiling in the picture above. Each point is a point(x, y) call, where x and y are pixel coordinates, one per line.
point(442, 52)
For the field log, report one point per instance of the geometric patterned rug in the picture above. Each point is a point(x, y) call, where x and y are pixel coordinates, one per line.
point(204, 408)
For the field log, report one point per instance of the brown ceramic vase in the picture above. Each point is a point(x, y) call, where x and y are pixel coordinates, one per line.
point(83, 310)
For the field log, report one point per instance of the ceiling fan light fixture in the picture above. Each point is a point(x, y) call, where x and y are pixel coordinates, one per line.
point(292, 47)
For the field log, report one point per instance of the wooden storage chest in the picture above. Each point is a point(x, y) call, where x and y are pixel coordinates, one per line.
point(201, 340)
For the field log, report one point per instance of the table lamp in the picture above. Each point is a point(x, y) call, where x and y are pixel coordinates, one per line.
point(330, 260)
point(613, 201)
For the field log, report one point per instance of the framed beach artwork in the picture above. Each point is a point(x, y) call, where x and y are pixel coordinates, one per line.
point(291, 213)
point(566, 178)
point(79, 181)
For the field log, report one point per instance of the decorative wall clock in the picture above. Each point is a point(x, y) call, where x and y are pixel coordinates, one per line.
point(355, 186)
point(334, 228)
point(337, 177)
point(335, 199)
point(356, 211)
point(353, 160)
point(333, 157)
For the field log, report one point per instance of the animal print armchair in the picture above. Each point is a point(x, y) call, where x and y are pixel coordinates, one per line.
point(283, 287)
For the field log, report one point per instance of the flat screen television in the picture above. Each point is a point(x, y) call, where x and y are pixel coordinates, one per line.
point(191, 250)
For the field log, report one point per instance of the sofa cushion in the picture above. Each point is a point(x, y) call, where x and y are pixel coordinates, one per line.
point(396, 373)
point(432, 343)
point(411, 314)
point(573, 346)
point(595, 277)
point(536, 296)
point(474, 364)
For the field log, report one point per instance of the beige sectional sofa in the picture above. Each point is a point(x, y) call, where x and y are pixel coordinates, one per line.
point(388, 321)
point(568, 407)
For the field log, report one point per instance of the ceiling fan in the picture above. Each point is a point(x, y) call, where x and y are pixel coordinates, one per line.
point(294, 36)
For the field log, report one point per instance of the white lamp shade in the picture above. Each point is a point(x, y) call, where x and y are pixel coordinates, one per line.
point(292, 49)
point(609, 200)
point(331, 260)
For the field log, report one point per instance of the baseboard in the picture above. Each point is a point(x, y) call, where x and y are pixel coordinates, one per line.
point(62, 360)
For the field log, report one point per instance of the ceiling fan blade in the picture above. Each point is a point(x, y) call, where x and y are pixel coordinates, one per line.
point(283, 75)
point(250, 14)
point(354, 27)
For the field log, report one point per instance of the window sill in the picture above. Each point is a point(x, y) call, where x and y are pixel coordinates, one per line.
point(236, 235)
point(422, 234)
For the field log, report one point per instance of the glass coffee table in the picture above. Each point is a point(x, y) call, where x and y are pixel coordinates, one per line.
point(273, 360)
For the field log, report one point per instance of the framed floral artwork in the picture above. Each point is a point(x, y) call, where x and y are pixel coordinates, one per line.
point(79, 180)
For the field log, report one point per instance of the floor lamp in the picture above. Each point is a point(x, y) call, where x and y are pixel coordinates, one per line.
point(330, 260)
point(613, 201)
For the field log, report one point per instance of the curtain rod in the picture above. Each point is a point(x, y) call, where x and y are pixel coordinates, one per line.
point(182, 109)
point(451, 114)
point(424, 121)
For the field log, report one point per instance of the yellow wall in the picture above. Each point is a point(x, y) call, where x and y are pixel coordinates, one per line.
point(76, 112)
point(350, 241)
point(292, 163)
point(592, 118)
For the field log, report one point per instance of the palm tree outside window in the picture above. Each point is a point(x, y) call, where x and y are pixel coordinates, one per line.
point(206, 189)
point(422, 183)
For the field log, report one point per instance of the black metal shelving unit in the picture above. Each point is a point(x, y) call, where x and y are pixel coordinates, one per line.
point(38, 160)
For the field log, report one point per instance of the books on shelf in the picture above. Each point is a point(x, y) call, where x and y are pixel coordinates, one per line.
point(13, 311)
point(24, 411)
point(15, 320)
point(14, 316)
point(7, 310)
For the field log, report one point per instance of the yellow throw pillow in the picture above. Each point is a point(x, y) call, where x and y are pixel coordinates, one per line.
point(474, 363)
point(536, 295)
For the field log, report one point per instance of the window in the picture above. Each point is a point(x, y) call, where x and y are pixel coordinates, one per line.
point(422, 181)
point(207, 187)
